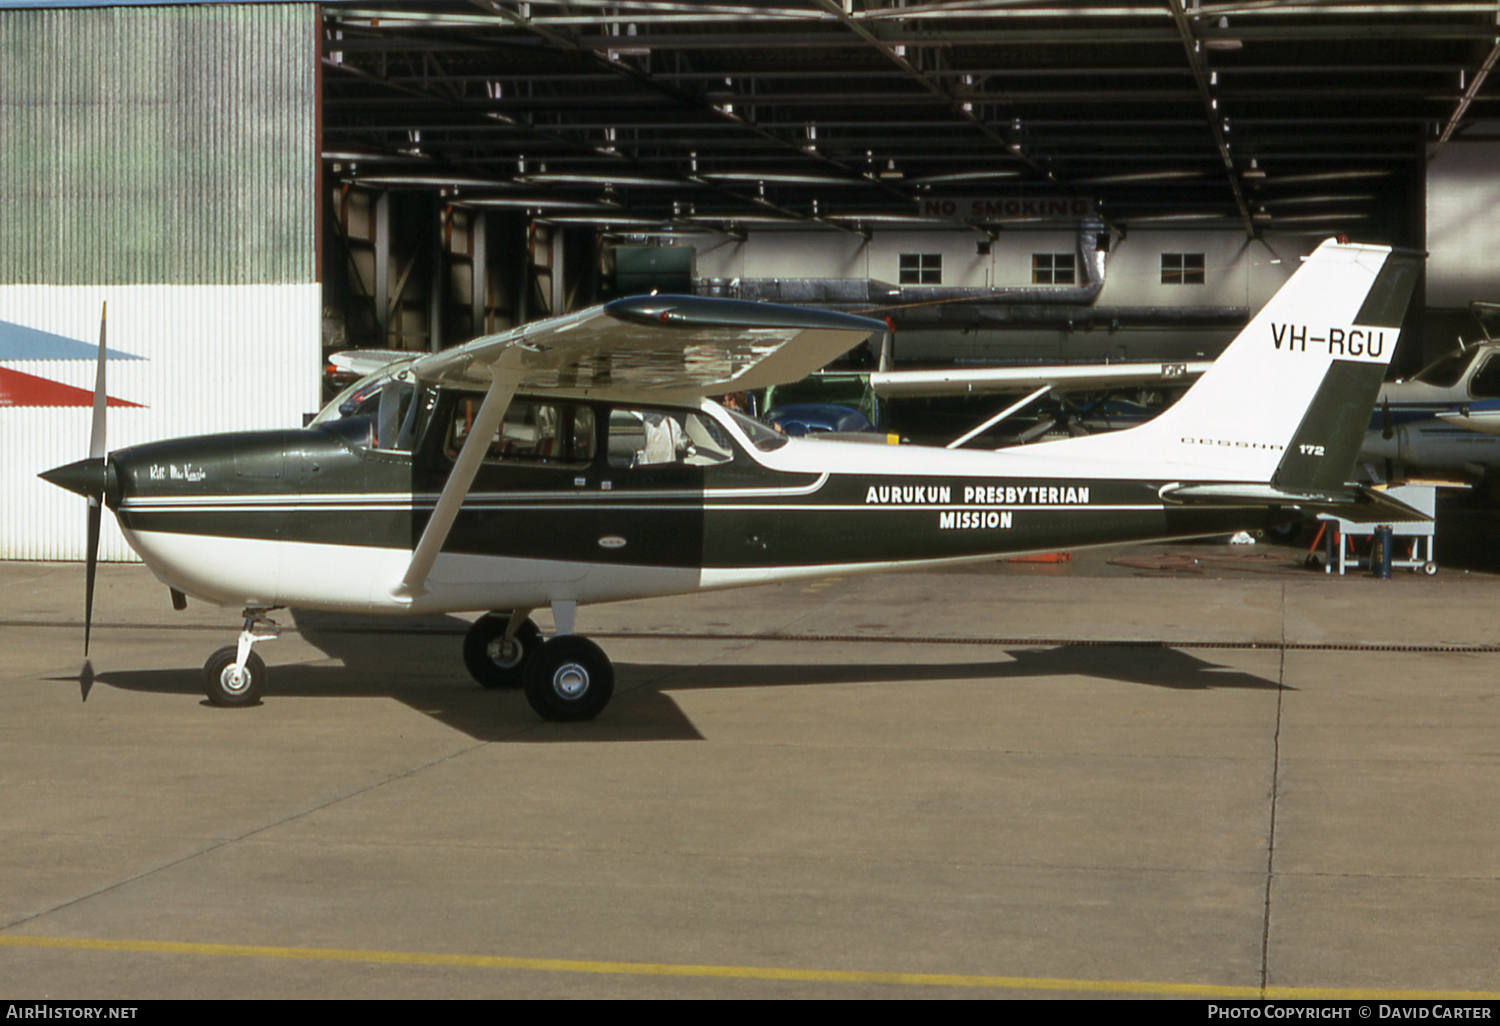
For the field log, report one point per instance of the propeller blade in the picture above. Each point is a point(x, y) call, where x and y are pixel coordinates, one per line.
point(96, 434)
point(1386, 430)
point(96, 505)
point(96, 511)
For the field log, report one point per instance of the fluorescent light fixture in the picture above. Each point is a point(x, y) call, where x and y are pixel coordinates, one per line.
point(1289, 201)
point(450, 181)
point(1283, 220)
point(1326, 176)
point(964, 176)
point(1139, 176)
point(740, 219)
point(1222, 43)
point(778, 177)
point(534, 202)
point(1155, 218)
point(366, 155)
point(602, 178)
point(876, 218)
point(605, 220)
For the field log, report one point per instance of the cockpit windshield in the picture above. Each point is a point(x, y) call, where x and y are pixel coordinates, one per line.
point(1446, 372)
point(378, 411)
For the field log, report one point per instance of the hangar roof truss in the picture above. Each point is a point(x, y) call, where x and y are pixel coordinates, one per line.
point(847, 114)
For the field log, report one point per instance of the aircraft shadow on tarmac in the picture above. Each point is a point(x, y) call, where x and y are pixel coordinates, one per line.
point(424, 670)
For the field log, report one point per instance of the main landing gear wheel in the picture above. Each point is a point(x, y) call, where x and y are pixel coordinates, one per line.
point(569, 679)
point(495, 662)
point(226, 687)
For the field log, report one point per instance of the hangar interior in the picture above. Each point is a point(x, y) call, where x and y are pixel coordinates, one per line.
point(1007, 181)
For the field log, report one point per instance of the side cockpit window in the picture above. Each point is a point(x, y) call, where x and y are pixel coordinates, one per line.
point(554, 434)
point(1446, 372)
point(1485, 384)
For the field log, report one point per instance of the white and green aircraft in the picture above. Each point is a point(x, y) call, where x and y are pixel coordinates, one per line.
point(579, 460)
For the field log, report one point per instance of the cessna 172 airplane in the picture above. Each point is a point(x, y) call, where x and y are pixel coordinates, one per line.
point(579, 460)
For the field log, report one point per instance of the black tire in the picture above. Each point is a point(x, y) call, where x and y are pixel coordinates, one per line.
point(494, 664)
point(570, 679)
point(219, 683)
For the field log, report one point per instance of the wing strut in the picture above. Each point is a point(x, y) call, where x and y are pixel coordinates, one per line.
point(997, 418)
point(481, 433)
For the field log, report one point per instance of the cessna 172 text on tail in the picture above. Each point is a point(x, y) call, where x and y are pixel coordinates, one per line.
point(578, 460)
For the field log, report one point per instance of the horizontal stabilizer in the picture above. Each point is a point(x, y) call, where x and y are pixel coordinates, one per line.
point(1357, 503)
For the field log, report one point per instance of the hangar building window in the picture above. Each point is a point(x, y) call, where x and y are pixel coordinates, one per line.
point(1182, 268)
point(1053, 269)
point(921, 268)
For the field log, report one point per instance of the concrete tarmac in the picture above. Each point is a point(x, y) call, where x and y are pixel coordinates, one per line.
point(1187, 771)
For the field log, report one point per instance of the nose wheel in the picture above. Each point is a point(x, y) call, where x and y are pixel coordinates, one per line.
point(229, 684)
point(235, 675)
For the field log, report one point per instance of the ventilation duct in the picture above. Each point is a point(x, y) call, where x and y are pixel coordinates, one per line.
point(868, 292)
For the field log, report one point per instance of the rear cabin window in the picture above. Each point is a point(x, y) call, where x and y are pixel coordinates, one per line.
point(646, 438)
point(555, 434)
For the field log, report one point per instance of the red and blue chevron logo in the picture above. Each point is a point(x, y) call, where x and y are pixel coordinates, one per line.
point(20, 344)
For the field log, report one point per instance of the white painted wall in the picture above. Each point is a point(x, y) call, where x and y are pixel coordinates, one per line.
point(216, 358)
point(1239, 272)
point(1463, 208)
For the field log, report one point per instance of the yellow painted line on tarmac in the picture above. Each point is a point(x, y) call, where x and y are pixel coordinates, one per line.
point(827, 582)
point(731, 972)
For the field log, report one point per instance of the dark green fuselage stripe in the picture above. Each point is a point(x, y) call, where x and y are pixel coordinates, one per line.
point(755, 533)
point(315, 486)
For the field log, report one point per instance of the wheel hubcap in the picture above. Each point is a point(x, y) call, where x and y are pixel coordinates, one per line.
point(571, 680)
point(505, 654)
point(234, 681)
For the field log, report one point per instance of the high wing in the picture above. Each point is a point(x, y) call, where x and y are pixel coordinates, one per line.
point(640, 348)
point(1054, 377)
point(364, 362)
point(659, 347)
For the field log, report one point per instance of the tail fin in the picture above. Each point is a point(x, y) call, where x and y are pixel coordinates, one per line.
point(1289, 399)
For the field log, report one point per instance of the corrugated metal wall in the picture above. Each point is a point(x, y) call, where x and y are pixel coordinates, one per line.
point(165, 160)
point(158, 145)
point(206, 358)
